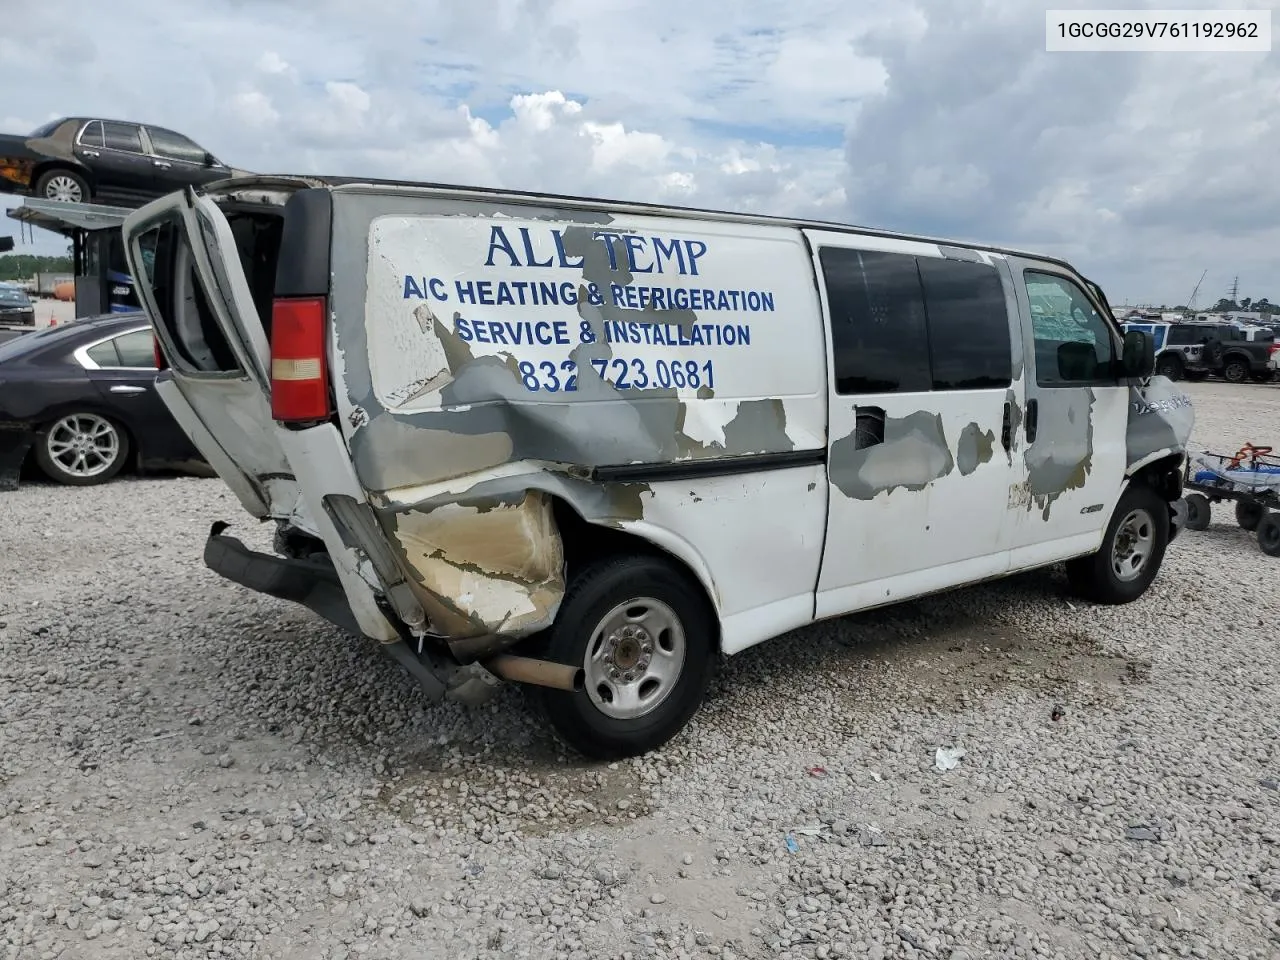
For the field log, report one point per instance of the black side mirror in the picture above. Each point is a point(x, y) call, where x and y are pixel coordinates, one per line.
point(210, 160)
point(1138, 358)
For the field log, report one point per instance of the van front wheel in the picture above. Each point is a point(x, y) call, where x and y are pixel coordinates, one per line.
point(643, 634)
point(1131, 553)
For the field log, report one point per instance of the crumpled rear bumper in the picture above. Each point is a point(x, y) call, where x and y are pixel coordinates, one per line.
point(15, 441)
point(311, 582)
point(315, 584)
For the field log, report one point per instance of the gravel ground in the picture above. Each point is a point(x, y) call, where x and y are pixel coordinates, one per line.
point(188, 769)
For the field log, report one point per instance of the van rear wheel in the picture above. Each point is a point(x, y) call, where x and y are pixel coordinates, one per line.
point(643, 633)
point(1131, 553)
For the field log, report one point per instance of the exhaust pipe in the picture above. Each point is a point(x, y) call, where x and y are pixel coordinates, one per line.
point(539, 673)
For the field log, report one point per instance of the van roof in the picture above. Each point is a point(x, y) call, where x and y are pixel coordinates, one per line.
point(621, 206)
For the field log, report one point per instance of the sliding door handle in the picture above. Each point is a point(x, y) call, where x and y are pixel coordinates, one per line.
point(1033, 420)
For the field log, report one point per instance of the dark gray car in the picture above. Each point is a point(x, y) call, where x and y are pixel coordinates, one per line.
point(83, 159)
point(16, 307)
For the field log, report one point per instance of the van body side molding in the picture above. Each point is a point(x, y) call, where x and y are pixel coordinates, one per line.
point(717, 467)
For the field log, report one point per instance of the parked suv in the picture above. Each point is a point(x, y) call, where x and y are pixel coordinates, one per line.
point(82, 159)
point(1179, 348)
point(1238, 355)
point(1195, 350)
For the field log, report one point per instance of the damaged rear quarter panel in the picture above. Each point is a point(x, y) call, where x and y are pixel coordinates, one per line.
point(426, 403)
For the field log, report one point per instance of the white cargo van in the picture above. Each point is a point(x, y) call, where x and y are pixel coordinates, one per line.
point(591, 446)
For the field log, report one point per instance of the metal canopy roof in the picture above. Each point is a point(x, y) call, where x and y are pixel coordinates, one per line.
point(66, 218)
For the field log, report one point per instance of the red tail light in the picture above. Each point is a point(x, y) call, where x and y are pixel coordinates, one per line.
point(161, 362)
point(299, 381)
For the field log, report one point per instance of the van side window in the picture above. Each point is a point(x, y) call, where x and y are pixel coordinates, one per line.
point(901, 323)
point(877, 321)
point(1074, 345)
point(969, 343)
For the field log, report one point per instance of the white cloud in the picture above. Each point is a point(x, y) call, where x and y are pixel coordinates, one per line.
point(944, 117)
point(255, 108)
point(272, 62)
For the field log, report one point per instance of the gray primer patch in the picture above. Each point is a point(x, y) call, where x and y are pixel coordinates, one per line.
point(914, 454)
point(1015, 422)
point(975, 448)
point(760, 426)
point(605, 503)
point(1062, 456)
point(1161, 418)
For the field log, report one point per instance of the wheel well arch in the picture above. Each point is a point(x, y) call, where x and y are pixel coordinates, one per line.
point(45, 166)
point(585, 542)
point(1164, 475)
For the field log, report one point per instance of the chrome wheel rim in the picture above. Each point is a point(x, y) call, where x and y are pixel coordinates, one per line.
point(83, 444)
point(634, 658)
point(1135, 538)
point(63, 188)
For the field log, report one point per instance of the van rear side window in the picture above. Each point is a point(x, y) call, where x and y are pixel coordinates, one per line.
point(877, 321)
point(905, 324)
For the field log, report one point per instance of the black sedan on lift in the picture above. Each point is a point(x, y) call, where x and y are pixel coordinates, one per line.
point(90, 159)
point(79, 402)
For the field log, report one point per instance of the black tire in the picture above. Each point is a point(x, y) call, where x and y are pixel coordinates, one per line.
point(1095, 577)
point(1235, 370)
point(60, 183)
point(1171, 366)
point(592, 596)
point(61, 472)
point(1199, 513)
point(1248, 515)
point(1269, 535)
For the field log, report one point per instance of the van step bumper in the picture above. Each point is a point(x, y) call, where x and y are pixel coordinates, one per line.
point(312, 582)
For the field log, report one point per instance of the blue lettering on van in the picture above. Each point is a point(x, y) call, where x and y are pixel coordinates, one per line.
point(626, 251)
point(621, 373)
point(543, 293)
point(513, 333)
point(420, 288)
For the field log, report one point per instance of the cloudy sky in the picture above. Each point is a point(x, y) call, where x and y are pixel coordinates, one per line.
point(944, 117)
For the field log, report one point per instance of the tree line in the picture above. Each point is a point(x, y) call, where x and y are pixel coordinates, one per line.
point(24, 266)
point(1246, 304)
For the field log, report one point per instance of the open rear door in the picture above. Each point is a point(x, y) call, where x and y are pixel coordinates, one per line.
point(217, 385)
